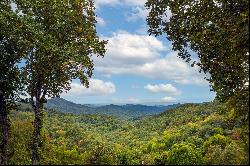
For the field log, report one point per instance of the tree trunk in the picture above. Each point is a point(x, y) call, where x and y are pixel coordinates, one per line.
point(4, 128)
point(37, 108)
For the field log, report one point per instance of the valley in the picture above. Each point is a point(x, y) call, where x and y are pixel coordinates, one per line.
point(201, 132)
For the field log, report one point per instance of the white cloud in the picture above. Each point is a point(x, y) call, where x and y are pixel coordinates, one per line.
point(96, 88)
point(142, 55)
point(125, 47)
point(100, 21)
point(172, 68)
point(138, 13)
point(162, 88)
point(168, 100)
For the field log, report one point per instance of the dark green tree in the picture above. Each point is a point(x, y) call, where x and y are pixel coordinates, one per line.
point(63, 38)
point(11, 48)
point(218, 31)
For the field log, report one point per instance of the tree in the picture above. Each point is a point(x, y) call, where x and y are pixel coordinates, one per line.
point(63, 38)
point(218, 32)
point(184, 154)
point(11, 48)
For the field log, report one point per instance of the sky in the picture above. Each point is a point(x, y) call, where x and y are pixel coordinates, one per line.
point(137, 68)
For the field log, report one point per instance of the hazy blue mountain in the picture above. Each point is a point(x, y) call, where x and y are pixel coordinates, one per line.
point(124, 111)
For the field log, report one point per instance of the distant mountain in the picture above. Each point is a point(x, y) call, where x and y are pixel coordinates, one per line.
point(127, 111)
point(66, 106)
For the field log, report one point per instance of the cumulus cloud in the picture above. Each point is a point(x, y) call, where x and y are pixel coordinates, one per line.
point(124, 47)
point(172, 68)
point(138, 13)
point(168, 100)
point(162, 88)
point(96, 88)
point(143, 55)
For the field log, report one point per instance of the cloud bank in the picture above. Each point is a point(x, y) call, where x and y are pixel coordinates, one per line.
point(162, 88)
point(96, 88)
point(145, 56)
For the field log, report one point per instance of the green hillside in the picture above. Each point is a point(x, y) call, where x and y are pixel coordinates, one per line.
point(127, 111)
point(190, 134)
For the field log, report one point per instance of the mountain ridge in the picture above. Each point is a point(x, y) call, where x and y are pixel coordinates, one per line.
point(127, 111)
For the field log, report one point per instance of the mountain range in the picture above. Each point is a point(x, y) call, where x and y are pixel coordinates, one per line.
point(127, 111)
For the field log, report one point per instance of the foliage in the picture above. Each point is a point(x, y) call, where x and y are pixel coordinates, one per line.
point(218, 31)
point(62, 35)
point(11, 51)
point(184, 154)
point(190, 134)
point(62, 38)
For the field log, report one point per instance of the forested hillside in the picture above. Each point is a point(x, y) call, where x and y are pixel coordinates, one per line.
point(127, 111)
point(190, 134)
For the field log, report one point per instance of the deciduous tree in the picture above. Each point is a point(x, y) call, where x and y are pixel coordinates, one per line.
point(64, 39)
point(11, 49)
point(218, 31)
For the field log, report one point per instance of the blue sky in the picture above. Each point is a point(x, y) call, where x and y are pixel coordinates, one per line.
point(137, 68)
